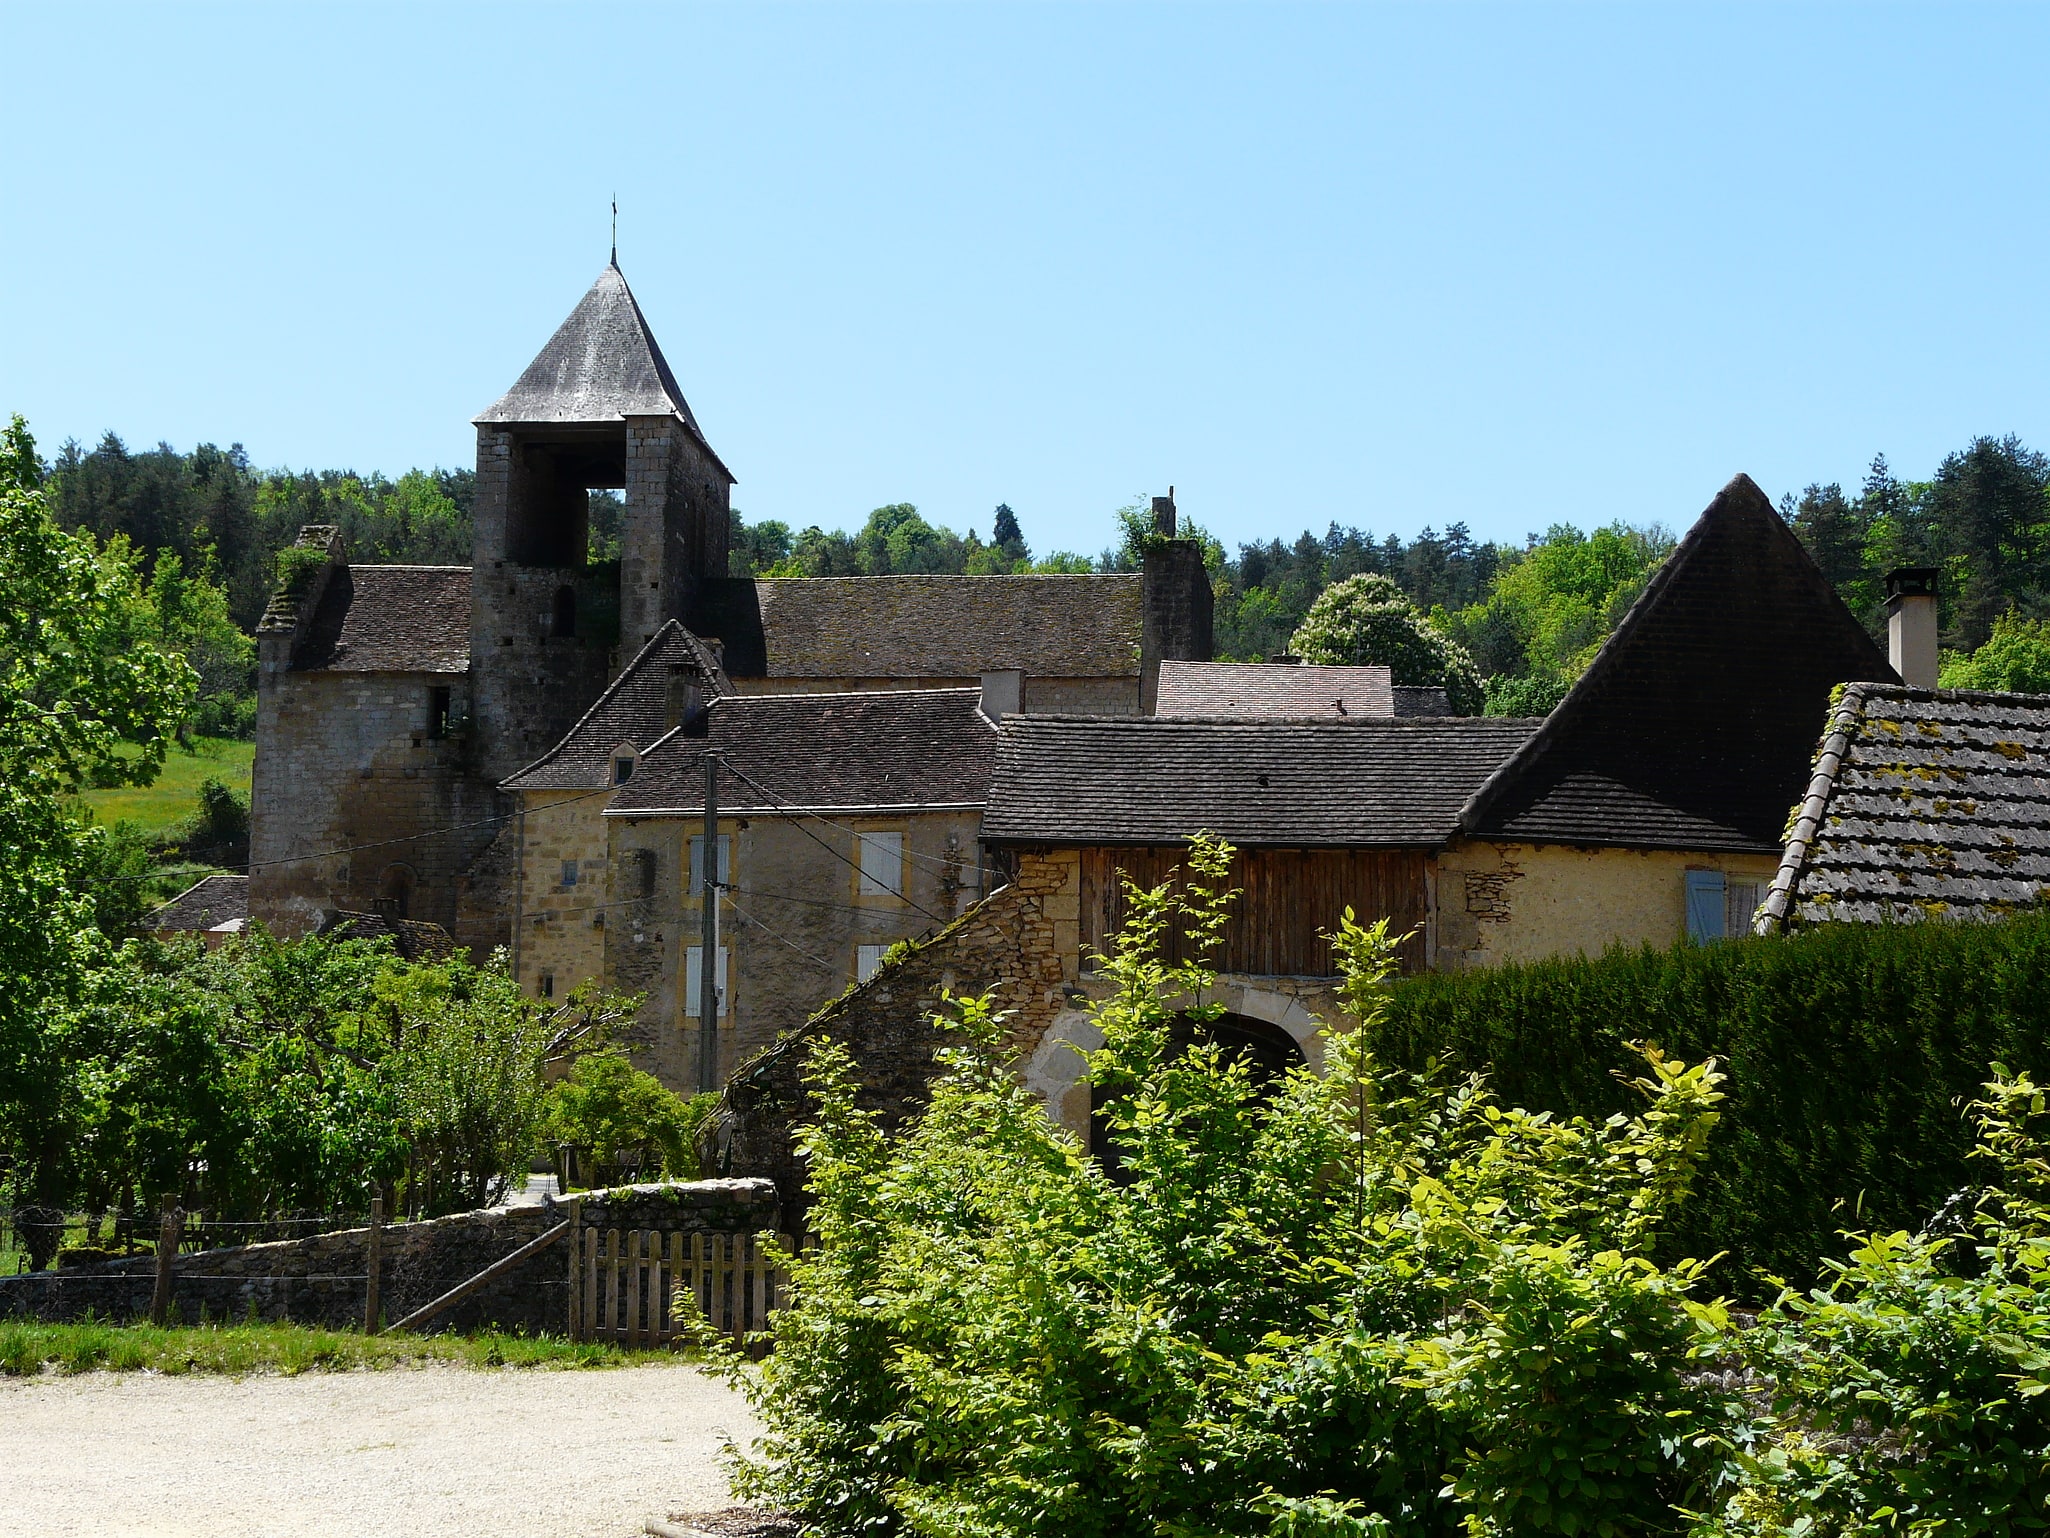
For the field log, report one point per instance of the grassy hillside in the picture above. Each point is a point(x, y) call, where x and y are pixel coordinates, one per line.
point(172, 800)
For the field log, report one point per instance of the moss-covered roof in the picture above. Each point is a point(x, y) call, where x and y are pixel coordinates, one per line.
point(1924, 803)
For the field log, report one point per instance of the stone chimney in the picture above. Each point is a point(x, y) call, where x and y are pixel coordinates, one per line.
point(1176, 603)
point(1003, 693)
point(1911, 624)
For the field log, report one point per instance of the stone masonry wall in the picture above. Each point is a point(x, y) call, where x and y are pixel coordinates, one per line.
point(320, 1280)
point(1019, 943)
point(791, 930)
point(562, 926)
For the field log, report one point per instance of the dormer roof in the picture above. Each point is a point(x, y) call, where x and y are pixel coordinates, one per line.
point(602, 365)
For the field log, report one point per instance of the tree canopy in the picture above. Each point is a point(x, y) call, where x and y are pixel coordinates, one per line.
point(1368, 619)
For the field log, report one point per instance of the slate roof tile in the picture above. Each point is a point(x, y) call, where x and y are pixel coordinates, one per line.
point(1328, 782)
point(1277, 691)
point(413, 939)
point(390, 619)
point(208, 902)
point(602, 365)
point(634, 708)
point(824, 752)
point(1692, 727)
point(1923, 803)
point(912, 627)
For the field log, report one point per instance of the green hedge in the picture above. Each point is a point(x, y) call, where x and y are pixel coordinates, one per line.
point(1851, 1050)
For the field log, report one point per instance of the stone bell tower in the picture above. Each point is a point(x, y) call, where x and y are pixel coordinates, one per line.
point(549, 628)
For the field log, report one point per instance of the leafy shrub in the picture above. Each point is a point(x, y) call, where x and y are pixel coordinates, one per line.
point(1374, 1302)
point(1849, 1048)
point(1368, 619)
point(1910, 1393)
point(606, 1105)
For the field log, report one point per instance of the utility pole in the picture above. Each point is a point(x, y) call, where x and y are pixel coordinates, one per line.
point(708, 957)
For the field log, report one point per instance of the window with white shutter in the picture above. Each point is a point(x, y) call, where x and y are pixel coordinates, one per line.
point(694, 983)
point(882, 864)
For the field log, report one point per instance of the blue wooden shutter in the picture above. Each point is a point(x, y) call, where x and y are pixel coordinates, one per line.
point(1705, 906)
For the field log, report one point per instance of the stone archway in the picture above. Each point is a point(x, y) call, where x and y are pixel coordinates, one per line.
point(1269, 1051)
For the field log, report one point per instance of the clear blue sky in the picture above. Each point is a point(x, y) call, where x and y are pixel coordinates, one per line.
point(1394, 266)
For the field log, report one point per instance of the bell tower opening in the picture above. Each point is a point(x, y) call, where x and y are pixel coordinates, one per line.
point(548, 502)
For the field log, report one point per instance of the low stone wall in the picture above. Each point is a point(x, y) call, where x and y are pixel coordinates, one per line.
point(321, 1280)
point(1017, 944)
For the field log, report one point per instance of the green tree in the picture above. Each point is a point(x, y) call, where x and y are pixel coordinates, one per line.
point(2015, 659)
point(1367, 619)
point(74, 685)
point(605, 1106)
point(1360, 1304)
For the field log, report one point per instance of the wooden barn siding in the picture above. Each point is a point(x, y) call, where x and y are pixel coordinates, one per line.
point(1288, 898)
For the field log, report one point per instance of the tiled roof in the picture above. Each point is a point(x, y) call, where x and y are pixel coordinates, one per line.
point(1422, 700)
point(635, 708)
point(601, 365)
point(1051, 626)
point(875, 748)
point(390, 619)
point(1354, 783)
point(203, 905)
point(1924, 803)
point(413, 939)
point(1277, 691)
point(1692, 727)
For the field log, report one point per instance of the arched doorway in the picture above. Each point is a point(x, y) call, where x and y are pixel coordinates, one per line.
point(1266, 1049)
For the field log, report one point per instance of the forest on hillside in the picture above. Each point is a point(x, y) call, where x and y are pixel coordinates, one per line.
point(1530, 615)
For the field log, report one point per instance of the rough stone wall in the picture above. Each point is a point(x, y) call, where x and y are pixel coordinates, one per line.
point(1500, 902)
point(676, 526)
point(320, 1280)
point(345, 760)
point(791, 929)
point(562, 927)
point(1010, 944)
point(1176, 617)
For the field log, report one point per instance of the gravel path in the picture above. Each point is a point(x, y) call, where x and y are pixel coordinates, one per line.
point(429, 1452)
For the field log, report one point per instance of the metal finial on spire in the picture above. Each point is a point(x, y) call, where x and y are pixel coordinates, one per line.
point(615, 229)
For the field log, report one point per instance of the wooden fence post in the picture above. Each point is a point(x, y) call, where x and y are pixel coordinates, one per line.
point(373, 1261)
point(168, 1234)
point(575, 1322)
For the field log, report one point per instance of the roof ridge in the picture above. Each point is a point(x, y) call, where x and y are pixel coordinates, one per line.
point(611, 689)
point(966, 576)
point(849, 694)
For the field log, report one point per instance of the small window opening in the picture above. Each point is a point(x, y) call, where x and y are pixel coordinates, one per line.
point(395, 892)
point(622, 770)
point(547, 985)
point(565, 622)
point(437, 711)
point(569, 872)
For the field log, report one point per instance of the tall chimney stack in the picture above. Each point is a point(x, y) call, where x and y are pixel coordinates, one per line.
point(1911, 624)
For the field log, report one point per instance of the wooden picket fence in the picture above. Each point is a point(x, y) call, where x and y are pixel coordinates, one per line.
point(630, 1286)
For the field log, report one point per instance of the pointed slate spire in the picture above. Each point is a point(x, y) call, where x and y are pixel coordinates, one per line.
point(602, 364)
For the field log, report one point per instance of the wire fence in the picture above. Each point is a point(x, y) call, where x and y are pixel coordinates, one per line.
point(33, 1238)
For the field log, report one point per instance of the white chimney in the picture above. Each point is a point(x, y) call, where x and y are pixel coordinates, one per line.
point(1911, 624)
point(1003, 693)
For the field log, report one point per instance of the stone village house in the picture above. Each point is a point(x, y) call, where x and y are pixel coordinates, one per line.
point(1648, 807)
point(445, 745)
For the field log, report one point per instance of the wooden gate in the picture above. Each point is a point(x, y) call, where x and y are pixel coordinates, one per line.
point(629, 1286)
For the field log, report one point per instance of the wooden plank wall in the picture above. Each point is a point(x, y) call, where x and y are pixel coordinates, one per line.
point(1288, 898)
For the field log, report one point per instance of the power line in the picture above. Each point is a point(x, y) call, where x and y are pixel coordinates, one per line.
point(836, 854)
point(823, 966)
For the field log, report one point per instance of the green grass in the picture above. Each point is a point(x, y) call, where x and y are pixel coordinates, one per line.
point(28, 1348)
point(174, 798)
